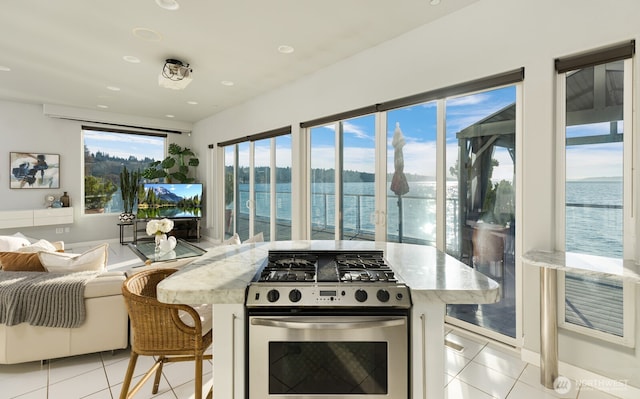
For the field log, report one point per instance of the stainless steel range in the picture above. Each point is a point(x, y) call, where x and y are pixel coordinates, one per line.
point(326, 324)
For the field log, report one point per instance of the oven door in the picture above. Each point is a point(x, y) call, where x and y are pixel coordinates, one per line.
point(328, 357)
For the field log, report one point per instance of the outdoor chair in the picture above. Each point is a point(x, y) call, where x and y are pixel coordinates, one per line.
point(169, 332)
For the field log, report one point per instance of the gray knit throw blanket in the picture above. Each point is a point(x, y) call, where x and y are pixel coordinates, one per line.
point(43, 299)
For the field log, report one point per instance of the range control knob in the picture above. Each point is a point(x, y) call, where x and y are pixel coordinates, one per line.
point(361, 295)
point(295, 295)
point(383, 295)
point(273, 295)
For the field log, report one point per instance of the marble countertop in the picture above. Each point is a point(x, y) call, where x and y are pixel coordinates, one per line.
point(222, 274)
point(589, 265)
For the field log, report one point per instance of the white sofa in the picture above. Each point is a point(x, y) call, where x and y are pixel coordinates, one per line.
point(105, 327)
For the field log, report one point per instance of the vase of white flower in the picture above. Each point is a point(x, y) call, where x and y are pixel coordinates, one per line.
point(159, 228)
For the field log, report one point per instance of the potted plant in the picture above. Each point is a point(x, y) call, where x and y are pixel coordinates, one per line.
point(97, 193)
point(176, 166)
point(129, 191)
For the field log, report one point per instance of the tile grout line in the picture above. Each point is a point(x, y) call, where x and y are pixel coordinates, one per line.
point(106, 375)
point(516, 381)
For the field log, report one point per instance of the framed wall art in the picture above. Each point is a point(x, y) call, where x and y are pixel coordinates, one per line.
point(34, 170)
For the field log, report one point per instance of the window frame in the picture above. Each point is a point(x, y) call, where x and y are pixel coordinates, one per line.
point(99, 129)
point(251, 140)
point(629, 193)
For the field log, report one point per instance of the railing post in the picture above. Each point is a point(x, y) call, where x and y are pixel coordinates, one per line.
point(357, 213)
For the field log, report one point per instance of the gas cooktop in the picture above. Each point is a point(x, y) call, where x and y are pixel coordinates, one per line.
point(325, 266)
point(326, 278)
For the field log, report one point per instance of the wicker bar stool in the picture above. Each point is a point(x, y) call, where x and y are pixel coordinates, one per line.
point(170, 332)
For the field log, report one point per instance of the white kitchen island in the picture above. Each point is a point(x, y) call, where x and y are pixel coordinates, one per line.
point(221, 276)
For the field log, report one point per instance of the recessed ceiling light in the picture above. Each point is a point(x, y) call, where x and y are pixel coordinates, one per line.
point(102, 106)
point(131, 59)
point(171, 5)
point(147, 34)
point(170, 116)
point(192, 102)
point(285, 49)
point(227, 83)
point(4, 68)
point(113, 88)
point(434, 2)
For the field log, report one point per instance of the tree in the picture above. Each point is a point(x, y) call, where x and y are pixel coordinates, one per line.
point(97, 192)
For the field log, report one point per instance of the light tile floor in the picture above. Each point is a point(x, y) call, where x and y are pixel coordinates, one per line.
point(481, 370)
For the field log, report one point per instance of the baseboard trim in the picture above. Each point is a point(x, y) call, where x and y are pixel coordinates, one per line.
point(618, 388)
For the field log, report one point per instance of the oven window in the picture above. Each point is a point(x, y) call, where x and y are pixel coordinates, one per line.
point(337, 368)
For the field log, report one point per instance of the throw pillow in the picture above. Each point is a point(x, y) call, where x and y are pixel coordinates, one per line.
point(256, 238)
point(20, 262)
point(41, 245)
point(30, 239)
point(235, 240)
point(94, 259)
point(12, 243)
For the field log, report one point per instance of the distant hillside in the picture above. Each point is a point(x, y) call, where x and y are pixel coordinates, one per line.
point(603, 179)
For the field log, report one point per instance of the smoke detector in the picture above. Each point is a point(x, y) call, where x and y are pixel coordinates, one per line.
point(175, 74)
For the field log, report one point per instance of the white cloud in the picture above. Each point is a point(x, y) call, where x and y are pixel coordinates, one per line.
point(603, 161)
point(468, 100)
point(124, 145)
point(357, 131)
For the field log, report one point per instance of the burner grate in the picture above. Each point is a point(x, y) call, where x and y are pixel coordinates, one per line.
point(348, 267)
point(293, 263)
point(289, 267)
point(369, 275)
point(361, 261)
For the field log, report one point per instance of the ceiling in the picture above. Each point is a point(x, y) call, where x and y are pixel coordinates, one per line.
point(70, 52)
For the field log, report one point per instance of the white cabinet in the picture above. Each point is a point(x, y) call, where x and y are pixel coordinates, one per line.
point(35, 217)
point(11, 219)
point(49, 216)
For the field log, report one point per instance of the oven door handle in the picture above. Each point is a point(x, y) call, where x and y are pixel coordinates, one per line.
point(350, 325)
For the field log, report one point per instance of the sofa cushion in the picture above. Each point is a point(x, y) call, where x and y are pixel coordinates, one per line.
point(12, 243)
point(20, 262)
point(94, 259)
point(40, 245)
point(59, 245)
point(106, 284)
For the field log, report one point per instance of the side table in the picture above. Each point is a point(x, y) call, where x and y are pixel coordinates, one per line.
point(135, 233)
point(550, 262)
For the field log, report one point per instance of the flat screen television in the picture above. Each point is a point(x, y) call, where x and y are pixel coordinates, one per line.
point(168, 200)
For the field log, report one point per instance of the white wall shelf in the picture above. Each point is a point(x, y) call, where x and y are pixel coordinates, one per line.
point(35, 217)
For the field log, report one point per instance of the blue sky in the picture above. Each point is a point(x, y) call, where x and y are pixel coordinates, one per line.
point(124, 145)
point(418, 125)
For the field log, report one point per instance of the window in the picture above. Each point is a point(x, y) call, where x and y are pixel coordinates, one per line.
point(480, 203)
point(257, 189)
point(105, 154)
point(411, 157)
point(343, 179)
point(424, 169)
point(596, 214)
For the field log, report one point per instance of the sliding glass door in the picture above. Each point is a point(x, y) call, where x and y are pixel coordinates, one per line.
point(342, 180)
point(258, 189)
point(481, 217)
point(411, 174)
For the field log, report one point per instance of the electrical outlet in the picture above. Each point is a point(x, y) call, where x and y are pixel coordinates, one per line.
point(67, 229)
point(59, 230)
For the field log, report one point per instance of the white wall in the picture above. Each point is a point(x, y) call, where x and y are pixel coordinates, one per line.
point(488, 37)
point(24, 128)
